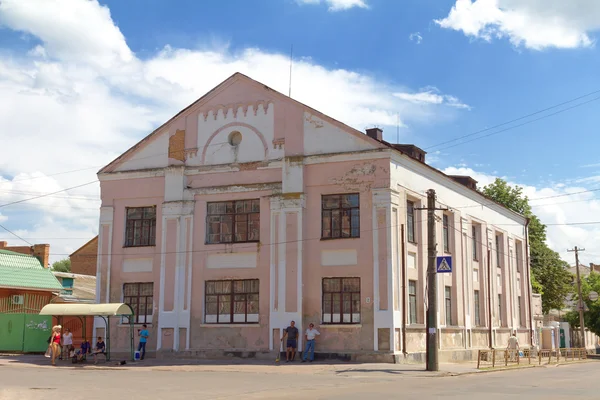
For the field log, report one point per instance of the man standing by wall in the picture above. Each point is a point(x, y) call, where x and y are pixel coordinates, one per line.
point(291, 332)
point(143, 339)
point(310, 335)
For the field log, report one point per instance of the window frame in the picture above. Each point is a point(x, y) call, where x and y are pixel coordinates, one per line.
point(500, 309)
point(520, 310)
point(232, 294)
point(136, 314)
point(130, 228)
point(474, 243)
point(412, 303)
point(498, 255)
point(249, 221)
point(411, 231)
point(354, 231)
point(446, 232)
point(477, 307)
point(355, 296)
point(448, 304)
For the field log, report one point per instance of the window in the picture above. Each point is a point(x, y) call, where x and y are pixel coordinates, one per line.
point(140, 297)
point(477, 309)
point(500, 309)
point(474, 242)
point(233, 221)
point(499, 280)
point(519, 311)
point(412, 302)
point(498, 250)
point(446, 225)
point(231, 302)
point(448, 302)
point(410, 221)
point(341, 300)
point(475, 275)
point(340, 216)
point(518, 255)
point(140, 226)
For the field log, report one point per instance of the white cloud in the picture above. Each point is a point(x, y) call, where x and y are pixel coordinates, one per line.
point(416, 37)
point(79, 97)
point(577, 207)
point(431, 96)
point(337, 5)
point(535, 24)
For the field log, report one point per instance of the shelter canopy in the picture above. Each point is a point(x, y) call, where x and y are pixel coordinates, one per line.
point(108, 309)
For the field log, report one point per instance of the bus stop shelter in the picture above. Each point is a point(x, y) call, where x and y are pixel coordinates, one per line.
point(104, 311)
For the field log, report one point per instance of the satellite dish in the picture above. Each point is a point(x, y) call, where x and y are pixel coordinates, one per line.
point(593, 296)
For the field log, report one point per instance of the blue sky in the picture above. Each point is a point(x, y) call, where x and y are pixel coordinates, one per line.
point(78, 75)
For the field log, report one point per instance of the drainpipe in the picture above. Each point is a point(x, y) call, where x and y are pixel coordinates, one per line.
point(528, 281)
point(404, 350)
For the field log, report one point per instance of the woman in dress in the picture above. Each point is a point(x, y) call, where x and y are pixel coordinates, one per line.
point(55, 343)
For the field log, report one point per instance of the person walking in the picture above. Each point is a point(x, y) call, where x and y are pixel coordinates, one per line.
point(291, 332)
point(143, 334)
point(310, 335)
point(55, 344)
point(513, 346)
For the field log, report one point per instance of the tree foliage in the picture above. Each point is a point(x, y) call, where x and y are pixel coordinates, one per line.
point(62, 265)
point(549, 274)
point(591, 315)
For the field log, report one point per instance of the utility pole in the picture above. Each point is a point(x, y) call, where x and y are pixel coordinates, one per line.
point(581, 321)
point(432, 304)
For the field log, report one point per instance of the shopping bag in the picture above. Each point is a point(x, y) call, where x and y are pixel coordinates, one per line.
point(48, 353)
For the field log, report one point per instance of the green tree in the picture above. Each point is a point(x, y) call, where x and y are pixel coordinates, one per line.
point(62, 265)
point(549, 274)
point(591, 315)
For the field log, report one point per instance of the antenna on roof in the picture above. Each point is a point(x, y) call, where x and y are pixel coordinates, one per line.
point(291, 60)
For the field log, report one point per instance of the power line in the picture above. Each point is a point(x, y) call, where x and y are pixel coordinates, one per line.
point(46, 195)
point(522, 124)
point(103, 165)
point(515, 120)
point(12, 233)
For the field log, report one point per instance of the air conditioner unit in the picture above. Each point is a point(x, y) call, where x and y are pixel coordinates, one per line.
point(17, 299)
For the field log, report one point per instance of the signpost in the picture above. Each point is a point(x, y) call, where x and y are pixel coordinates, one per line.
point(443, 264)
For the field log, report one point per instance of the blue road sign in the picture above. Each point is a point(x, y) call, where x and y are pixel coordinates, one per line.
point(443, 264)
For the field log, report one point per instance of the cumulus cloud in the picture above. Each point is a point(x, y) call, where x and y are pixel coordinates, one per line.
point(80, 96)
point(534, 24)
point(337, 5)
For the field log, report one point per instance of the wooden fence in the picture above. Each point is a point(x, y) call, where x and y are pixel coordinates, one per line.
point(493, 358)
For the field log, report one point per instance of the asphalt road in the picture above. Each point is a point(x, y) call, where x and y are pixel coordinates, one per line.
point(579, 381)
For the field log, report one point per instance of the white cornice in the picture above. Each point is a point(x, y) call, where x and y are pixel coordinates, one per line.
point(139, 174)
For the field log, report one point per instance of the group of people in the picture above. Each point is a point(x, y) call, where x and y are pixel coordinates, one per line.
point(60, 345)
point(292, 335)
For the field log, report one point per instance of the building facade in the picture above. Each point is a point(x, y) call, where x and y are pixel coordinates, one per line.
point(83, 260)
point(249, 209)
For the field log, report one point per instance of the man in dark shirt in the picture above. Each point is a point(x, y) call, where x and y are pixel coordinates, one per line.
point(100, 348)
point(291, 332)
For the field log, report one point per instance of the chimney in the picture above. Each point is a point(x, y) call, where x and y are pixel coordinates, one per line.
point(42, 252)
point(465, 181)
point(375, 133)
point(3, 245)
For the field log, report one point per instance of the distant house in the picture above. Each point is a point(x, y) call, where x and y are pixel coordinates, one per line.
point(83, 260)
point(76, 288)
point(25, 287)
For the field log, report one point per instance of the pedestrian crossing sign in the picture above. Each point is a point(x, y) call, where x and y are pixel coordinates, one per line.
point(444, 264)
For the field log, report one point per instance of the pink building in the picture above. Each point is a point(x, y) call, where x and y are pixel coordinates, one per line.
point(249, 209)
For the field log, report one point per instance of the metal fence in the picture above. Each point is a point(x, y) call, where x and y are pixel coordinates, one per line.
point(493, 358)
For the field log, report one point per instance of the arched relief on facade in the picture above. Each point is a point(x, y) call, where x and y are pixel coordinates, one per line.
point(233, 140)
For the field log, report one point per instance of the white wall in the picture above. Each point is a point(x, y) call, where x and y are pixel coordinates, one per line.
point(322, 137)
point(155, 154)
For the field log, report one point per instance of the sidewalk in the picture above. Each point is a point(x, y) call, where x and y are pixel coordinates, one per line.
point(247, 366)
